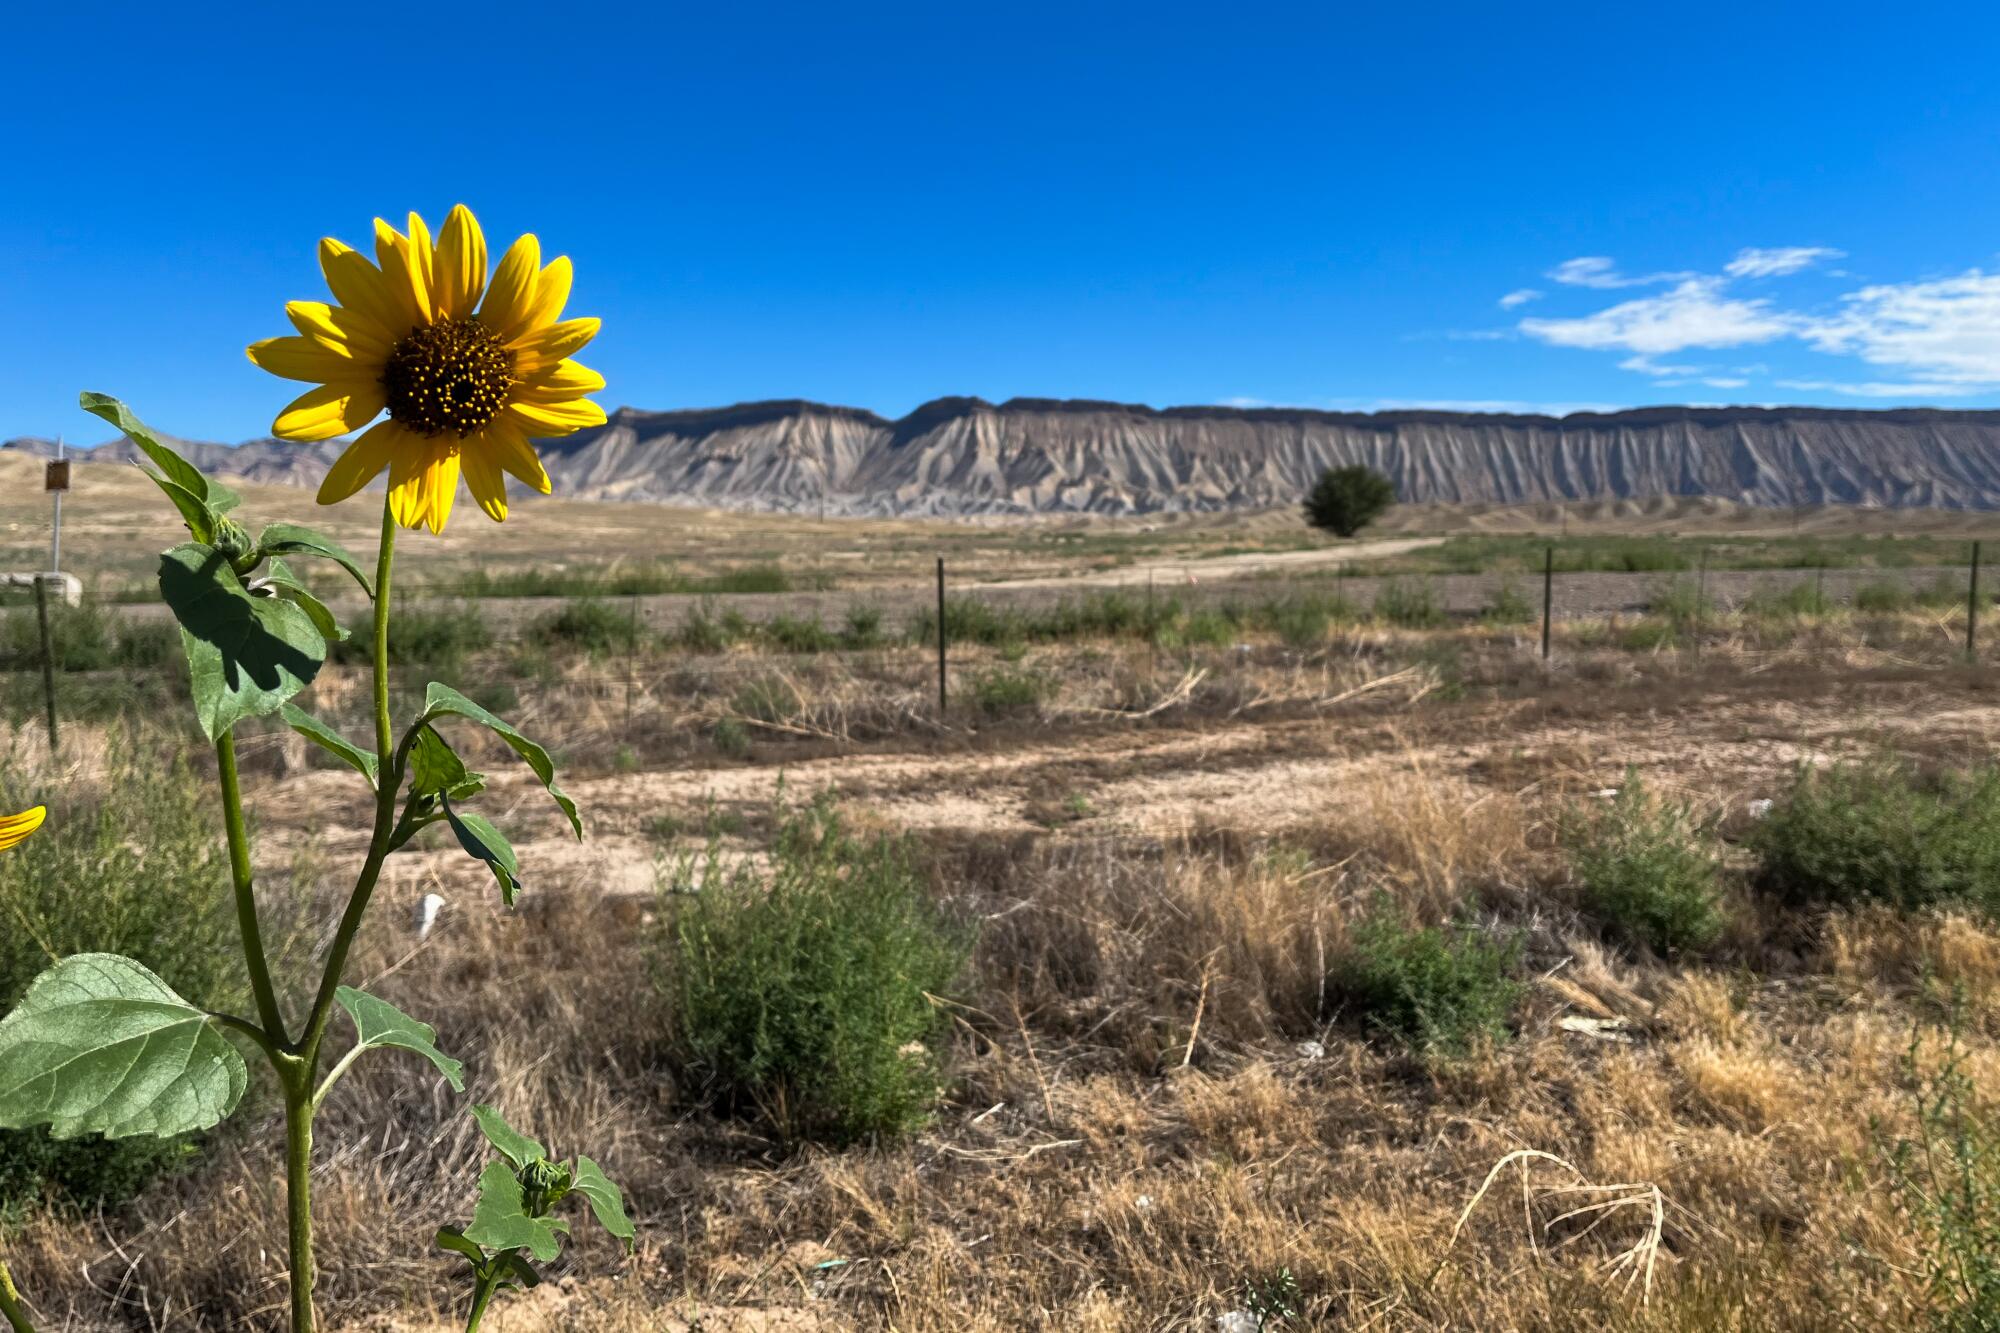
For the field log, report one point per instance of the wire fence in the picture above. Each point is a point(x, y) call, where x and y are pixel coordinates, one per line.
point(745, 655)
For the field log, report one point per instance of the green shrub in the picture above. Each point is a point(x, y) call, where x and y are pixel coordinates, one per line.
point(1347, 499)
point(1647, 636)
point(730, 737)
point(128, 866)
point(1208, 628)
point(701, 632)
point(1882, 597)
point(791, 634)
point(1002, 690)
point(88, 637)
point(1437, 990)
point(1947, 1174)
point(1880, 831)
point(1508, 607)
point(801, 992)
point(1409, 604)
point(1800, 601)
point(1680, 603)
point(1942, 593)
point(598, 628)
point(1644, 868)
point(863, 628)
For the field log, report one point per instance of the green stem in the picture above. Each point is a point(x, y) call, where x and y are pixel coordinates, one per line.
point(489, 1287)
point(303, 1062)
point(246, 893)
point(10, 1303)
point(298, 1199)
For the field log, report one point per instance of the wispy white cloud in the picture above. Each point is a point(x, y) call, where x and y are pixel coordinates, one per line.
point(1695, 313)
point(1879, 389)
point(1935, 337)
point(1600, 272)
point(1245, 402)
point(1778, 261)
point(1519, 298)
point(1941, 332)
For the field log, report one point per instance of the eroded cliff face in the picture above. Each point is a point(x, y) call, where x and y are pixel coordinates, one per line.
point(1028, 456)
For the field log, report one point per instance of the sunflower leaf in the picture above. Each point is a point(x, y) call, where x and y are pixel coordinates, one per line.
point(480, 839)
point(452, 1239)
point(515, 1146)
point(378, 1023)
point(606, 1203)
point(435, 767)
point(330, 740)
point(100, 1045)
point(294, 539)
point(279, 577)
point(200, 500)
point(440, 700)
point(246, 655)
point(500, 1220)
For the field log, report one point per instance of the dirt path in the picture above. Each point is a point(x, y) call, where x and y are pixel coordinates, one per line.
point(1216, 568)
point(1724, 747)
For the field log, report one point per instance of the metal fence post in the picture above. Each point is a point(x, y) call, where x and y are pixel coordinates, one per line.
point(1548, 595)
point(1972, 609)
point(48, 657)
point(943, 700)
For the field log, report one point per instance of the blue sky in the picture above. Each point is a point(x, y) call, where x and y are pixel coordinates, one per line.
point(1322, 205)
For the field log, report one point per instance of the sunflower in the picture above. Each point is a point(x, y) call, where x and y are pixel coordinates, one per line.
point(14, 828)
point(466, 383)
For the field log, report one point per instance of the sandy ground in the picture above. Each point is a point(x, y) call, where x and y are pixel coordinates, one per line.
point(1725, 747)
point(1216, 568)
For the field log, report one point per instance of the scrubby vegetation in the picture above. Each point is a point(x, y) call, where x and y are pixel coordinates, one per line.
point(127, 864)
point(810, 994)
point(1883, 831)
point(1643, 868)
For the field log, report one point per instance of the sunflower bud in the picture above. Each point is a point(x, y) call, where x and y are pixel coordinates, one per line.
point(233, 541)
point(543, 1183)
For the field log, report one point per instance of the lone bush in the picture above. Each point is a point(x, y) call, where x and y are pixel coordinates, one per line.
point(1347, 499)
point(1881, 831)
point(1436, 989)
point(129, 865)
point(1643, 867)
point(802, 992)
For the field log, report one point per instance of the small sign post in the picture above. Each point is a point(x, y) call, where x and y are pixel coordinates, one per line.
point(55, 480)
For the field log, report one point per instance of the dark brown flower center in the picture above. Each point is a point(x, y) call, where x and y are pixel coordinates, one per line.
point(454, 375)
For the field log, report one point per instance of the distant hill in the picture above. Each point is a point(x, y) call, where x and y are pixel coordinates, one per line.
point(1027, 456)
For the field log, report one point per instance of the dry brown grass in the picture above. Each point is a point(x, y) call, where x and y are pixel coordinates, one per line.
point(1155, 1102)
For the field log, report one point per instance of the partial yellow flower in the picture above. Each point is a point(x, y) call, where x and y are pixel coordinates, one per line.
point(14, 828)
point(466, 384)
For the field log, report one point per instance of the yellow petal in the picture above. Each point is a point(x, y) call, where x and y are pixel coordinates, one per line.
point(423, 483)
point(341, 328)
point(13, 828)
point(359, 285)
point(511, 450)
point(551, 295)
point(459, 273)
point(547, 421)
point(365, 459)
point(542, 349)
point(330, 410)
point(560, 382)
point(405, 275)
point(483, 478)
point(511, 295)
point(298, 358)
